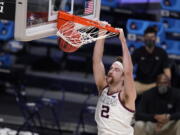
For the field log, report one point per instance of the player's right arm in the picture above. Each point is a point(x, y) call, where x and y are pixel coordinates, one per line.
point(98, 66)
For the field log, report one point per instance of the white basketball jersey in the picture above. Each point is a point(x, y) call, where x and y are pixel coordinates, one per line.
point(111, 116)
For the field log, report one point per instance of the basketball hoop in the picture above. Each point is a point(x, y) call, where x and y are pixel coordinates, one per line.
point(77, 31)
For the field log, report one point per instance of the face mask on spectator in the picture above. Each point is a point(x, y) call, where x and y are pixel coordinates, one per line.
point(150, 43)
point(162, 89)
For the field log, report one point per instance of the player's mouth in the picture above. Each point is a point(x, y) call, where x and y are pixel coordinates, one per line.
point(109, 77)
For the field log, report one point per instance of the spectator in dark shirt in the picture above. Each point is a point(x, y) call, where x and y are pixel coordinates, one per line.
point(151, 61)
point(159, 110)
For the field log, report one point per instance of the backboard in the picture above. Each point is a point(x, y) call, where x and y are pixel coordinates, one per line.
point(36, 19)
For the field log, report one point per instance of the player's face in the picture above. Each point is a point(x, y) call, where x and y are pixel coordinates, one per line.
point(115, 74)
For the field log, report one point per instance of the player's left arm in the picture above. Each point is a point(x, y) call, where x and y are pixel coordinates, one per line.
point(129, 94)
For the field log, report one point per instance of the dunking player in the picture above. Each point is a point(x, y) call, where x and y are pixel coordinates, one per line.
point(117, 94)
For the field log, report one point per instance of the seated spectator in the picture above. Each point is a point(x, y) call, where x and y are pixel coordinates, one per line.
point(159, 111)
point(151, 61)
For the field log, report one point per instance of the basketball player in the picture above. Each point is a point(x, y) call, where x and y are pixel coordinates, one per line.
point(117, 94)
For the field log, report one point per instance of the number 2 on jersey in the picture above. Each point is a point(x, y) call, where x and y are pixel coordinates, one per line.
point(105, 111)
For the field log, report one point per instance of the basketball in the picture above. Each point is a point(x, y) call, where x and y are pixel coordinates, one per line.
point(65, 47)
point(73, 37)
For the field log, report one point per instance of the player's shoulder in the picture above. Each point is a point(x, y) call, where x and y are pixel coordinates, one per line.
point(103, 90)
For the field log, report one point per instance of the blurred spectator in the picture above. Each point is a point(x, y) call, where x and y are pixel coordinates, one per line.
point(151, 61)
point(167, 2)
point(134, 26)
point(159, 111)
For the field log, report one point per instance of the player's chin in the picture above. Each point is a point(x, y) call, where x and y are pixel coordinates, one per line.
point(109, 80)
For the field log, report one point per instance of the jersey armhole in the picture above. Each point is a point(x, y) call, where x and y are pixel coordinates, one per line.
point(101, 91)
point(121, 102)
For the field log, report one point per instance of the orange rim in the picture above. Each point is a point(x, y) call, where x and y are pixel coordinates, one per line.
point(69, 17)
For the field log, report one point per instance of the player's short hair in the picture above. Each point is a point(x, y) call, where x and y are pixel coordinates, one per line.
point(119, 61)
point(119, 58)
point(151, 29)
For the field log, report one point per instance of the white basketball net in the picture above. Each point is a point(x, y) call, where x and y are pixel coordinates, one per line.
point(77, 35)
